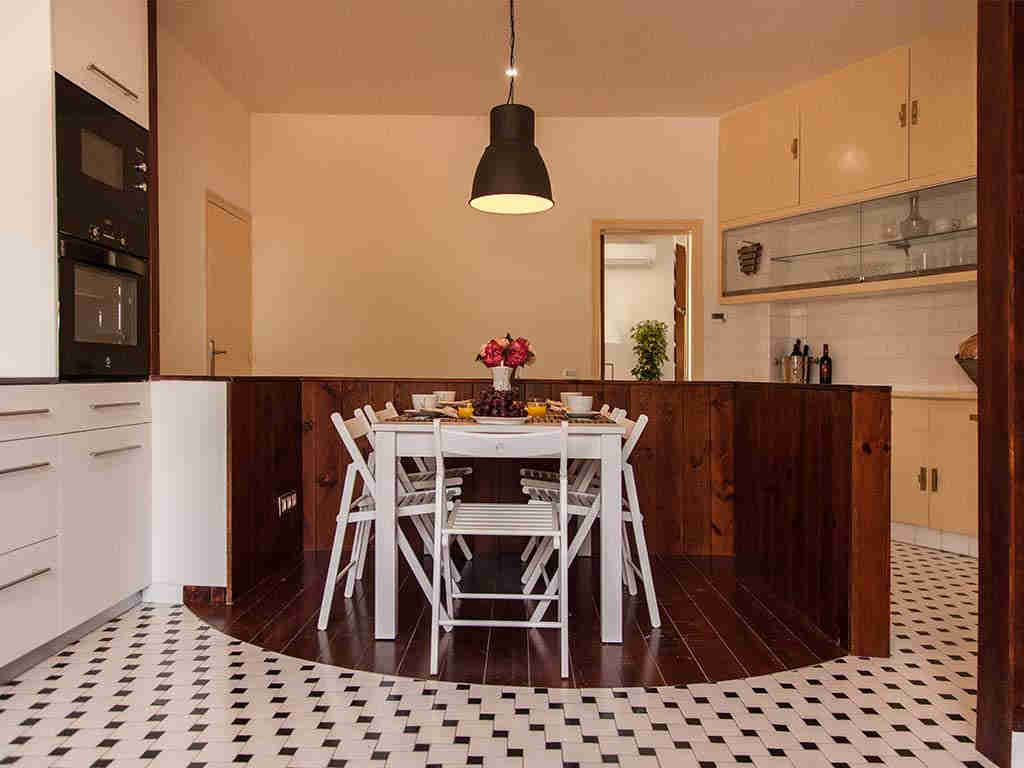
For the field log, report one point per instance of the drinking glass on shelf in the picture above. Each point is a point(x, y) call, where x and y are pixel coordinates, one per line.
point(466, 412)
point(536, 409)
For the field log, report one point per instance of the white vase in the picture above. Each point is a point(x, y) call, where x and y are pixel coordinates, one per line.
point(502, 377)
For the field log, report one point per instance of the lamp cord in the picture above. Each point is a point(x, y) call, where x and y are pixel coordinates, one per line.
point(511, 50)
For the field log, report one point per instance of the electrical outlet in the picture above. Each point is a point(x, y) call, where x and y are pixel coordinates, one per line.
point(286, 502)
point(569, 373)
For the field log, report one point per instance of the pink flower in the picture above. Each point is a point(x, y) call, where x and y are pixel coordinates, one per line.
point(518, 352)
point(492, 354)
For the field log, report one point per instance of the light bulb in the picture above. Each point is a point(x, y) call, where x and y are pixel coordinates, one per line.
point(511, 72)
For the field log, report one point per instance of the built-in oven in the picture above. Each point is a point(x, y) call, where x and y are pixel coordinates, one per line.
point(102, 221)
point(104, 326)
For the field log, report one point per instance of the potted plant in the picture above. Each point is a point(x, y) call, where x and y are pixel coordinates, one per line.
point(503, 355)
point(650, 345)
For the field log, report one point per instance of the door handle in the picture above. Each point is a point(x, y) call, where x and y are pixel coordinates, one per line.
point(126, 404)
point(922, 479)
point(913, 112)
point(24, 467)
point(114, 81)
point(27, 412)
point(903, 115)
point(22, 579)
point(213, 356)
point(112, 451)
point(935, 479)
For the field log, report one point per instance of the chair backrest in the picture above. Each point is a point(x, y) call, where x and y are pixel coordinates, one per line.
point(633, 431)
point(540, 444)
point(349, 431)
point(375, 416)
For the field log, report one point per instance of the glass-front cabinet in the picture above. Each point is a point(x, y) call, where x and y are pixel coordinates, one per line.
point(912, 235)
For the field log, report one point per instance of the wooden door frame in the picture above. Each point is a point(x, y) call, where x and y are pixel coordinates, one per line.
point(209, 198)
point(692, 227)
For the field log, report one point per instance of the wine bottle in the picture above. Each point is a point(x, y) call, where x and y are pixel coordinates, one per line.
point(825, 367)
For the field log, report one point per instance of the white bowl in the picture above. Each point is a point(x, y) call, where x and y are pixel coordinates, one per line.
point(564, 397)
point(580, 403)
point(445, 395)
point(424, 402)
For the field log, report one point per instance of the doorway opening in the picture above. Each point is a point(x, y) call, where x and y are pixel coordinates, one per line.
point(648, 272)
point(228, 289)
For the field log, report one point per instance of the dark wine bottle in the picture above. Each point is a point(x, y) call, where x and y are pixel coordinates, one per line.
point(825, 367)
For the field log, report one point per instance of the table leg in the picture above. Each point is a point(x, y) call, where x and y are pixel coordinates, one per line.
point(611, 539)
point(385, 554)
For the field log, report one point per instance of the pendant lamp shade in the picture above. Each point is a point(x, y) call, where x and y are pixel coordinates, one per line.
point(511, 176)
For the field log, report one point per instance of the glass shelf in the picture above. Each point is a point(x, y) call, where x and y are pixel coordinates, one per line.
point(903, 243)
point(855, 243)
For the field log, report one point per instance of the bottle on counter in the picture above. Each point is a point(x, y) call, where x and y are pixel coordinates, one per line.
point(825, 367)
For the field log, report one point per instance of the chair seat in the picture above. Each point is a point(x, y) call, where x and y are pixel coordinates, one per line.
point(448, 473)
point(418, 499)
point(502, 520)
point(580, 502)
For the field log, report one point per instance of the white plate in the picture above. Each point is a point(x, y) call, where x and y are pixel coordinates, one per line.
point(500, 419)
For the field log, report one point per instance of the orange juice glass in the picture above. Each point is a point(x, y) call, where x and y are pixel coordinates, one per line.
point(536, 410)
point(465, 411)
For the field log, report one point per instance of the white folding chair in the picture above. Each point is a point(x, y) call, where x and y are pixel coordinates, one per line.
point(362, 511)
point(587, 505)
point(416, 481)
point(549, 521)
point(583, 475)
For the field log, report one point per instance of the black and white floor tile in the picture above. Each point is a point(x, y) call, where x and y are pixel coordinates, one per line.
point(156, 687)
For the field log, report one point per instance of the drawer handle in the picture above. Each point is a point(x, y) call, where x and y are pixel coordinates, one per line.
point(112, 451)
point(113, 81)
point(29, 412)
point(126, 404)
point(24, 468)
point(36, 573)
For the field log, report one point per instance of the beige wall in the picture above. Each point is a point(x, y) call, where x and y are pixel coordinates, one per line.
point(368, 261)
point(204, 145)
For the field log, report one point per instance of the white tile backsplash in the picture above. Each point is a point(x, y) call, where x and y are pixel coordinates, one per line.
point(904, 340)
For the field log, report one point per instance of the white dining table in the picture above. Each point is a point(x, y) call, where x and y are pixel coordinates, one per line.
point(396, 439)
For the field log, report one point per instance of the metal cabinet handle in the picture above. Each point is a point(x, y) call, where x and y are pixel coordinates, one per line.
point(794, 148)
point(28, 412)
point(935, 479)
point(111, 451)
point(922, 479)
point(213, 356)
point(24, 467)
point(903, 115)
point(126, 404)
point(913, 112)
point(36, 573)
point(113, 81)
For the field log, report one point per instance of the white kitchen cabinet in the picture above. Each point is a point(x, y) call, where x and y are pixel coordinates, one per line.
point(30, 491)
point(29, 603)
point(102, 46)
point(101, 405)
point(105, 526)
point(28, 237)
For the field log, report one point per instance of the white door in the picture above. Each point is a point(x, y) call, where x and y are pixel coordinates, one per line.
point(228, 291)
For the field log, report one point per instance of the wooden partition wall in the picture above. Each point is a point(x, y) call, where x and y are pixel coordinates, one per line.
point(793, 481)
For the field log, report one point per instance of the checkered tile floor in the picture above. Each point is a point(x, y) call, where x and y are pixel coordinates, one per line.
point(156, 687)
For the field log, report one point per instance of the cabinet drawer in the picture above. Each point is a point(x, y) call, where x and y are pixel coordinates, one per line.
point(95, 406)
point(29, 608)
point(29, 491)
point(31, 411)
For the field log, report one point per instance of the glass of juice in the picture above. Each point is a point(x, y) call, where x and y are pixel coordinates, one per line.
point(465, 412)
point(536, 409)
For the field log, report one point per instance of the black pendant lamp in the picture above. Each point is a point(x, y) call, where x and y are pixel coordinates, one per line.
point(511, 176)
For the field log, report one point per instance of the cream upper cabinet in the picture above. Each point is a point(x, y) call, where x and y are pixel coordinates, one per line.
point(102, 46)
point(854, 128)
point(944, 101)
point(758, 158)
point(953, 475)
point(909, 476)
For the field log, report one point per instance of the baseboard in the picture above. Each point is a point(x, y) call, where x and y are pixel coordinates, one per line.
point(163, 592)
point(15, 668)
point(934, 539)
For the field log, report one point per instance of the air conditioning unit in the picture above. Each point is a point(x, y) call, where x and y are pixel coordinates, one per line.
point(630, 254)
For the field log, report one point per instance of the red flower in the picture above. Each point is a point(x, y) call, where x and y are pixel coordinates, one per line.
point(492, 354)
point(518, 352)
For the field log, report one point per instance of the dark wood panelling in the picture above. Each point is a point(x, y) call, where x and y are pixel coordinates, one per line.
point(1000, 394)
point(721, 425)
point(812, 468)
point(265, 460)
point(153, 195)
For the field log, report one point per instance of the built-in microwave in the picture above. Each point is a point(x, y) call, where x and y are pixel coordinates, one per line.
point(102, 172)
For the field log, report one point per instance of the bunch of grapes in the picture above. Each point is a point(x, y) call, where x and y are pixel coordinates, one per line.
point(496, 403)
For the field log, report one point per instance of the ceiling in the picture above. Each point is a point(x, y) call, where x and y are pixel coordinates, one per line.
point(575, 57)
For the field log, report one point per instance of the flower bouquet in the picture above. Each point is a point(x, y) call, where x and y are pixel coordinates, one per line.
point(503, 356)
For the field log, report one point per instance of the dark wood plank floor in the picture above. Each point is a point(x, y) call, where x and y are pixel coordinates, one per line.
point(712, 628)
